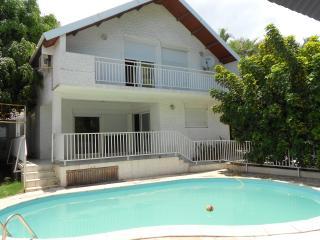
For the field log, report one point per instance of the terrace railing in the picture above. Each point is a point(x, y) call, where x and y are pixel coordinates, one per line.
point(220, 150)
point(90, 146)
point(150, 75)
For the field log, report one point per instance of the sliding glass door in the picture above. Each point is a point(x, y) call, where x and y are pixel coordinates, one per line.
point(139, 73)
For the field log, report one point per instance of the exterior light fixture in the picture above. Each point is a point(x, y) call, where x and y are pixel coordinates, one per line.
point(104, 36)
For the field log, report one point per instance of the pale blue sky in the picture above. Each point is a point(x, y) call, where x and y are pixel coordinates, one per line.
point(243, 18)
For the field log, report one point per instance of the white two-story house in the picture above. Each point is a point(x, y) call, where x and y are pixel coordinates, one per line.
point(129, 83)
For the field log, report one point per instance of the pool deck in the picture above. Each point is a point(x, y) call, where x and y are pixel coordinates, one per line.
point(305, 236)
point(306, 229)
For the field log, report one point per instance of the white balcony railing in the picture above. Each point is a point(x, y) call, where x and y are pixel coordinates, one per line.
point(90, 146)
point(142, 74)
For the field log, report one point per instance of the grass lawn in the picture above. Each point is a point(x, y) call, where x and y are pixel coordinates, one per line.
point(10, 188)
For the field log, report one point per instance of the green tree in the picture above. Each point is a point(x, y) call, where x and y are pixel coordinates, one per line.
point(21, 26)
point(244, 46)
point(223, 33)
point(275, 100)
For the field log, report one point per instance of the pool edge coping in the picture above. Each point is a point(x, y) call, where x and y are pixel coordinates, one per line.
point(293, 227)
point(205, 231)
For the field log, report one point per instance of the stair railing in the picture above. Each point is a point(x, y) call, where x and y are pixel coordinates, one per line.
point(5, 232)
point(2, 227)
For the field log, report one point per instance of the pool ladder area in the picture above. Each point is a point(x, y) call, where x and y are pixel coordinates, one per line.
point(6, 233)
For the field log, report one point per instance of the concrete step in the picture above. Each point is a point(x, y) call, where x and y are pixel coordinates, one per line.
point(32, 189)
point(35, 167)
point(31, 167)
point(39, 174)
point(43, 182)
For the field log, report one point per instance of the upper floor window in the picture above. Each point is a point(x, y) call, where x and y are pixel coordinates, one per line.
point(174, 57)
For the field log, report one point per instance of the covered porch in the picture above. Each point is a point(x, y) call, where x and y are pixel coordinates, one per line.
point(97, 130)
point(100, 140)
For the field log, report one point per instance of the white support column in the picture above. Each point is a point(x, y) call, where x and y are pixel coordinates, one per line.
point(58, 61)
point(56, 113)
point(58, 140)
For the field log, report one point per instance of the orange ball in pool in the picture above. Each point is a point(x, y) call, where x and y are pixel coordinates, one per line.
point(210, 208)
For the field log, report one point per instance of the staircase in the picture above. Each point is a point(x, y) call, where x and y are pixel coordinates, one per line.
point(39, 176)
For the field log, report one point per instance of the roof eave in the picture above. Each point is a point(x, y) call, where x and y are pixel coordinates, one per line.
point(53, 35)
point(202, 21)
point(93, 19)
point(39, 45)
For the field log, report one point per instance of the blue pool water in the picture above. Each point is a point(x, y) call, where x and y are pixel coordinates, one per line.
point(181, 202)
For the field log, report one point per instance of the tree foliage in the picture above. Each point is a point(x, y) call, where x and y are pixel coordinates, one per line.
point(224, 35)
point(244, 46)
point(275, 100)
point(21, 26)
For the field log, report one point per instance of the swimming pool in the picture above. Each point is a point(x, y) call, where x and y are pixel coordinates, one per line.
point(179, 202)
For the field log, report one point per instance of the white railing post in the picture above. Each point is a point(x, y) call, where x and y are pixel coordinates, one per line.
point(58, 147)
point(52, 147)
point(24, 160)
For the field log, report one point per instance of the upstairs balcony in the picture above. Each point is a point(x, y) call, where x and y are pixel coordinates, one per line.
point(150, 75)
point(86, 70)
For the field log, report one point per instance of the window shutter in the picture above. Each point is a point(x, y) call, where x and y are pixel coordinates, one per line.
point(174, 57)
point(196, 118)
point(140, 51)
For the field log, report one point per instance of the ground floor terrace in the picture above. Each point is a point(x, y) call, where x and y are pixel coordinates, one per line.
point(81, 123)
point(88, 135)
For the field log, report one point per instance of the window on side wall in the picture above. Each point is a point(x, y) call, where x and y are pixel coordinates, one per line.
point(196, 117)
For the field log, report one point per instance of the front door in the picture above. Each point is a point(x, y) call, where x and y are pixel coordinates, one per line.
point(86, 144)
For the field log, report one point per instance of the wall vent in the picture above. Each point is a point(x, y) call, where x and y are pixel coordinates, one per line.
point(92, 175)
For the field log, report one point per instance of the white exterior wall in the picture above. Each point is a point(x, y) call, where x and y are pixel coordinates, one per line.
point(114, 117)
point(131, 169)
point(143, 168)
point(74, 67)
point(233, 67)
point(175, 120)
point(117, 117)
point(45, 131)
point(41, 129)
point(152, 24)
point(42, 132)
